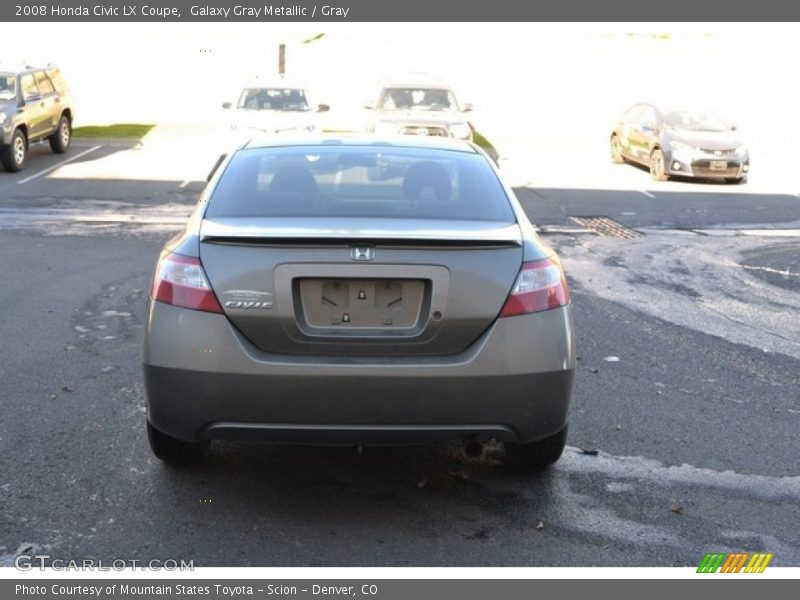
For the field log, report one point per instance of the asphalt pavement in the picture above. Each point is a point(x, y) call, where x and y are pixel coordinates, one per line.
point(683, 436)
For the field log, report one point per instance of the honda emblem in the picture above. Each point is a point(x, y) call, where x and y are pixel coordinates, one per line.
point(362, 253)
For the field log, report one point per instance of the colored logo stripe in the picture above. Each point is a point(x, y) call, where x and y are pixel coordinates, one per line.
point(733, 563)
point(710, 563)
point(758, 563)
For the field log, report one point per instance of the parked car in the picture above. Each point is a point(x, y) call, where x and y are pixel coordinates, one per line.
point(308, 302)
point(419, 108)
point(274, 107)
point(35, 105)
point(682, 142)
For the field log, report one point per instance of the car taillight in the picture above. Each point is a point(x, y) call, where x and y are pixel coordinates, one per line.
point(181, 281)
point(540, 286)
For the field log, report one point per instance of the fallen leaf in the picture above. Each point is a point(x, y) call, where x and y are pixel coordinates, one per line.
point(678, 510)
point(67, 389)
point(590, 451)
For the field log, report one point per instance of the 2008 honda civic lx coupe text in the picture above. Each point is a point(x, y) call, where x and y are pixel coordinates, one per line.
point(359, 291)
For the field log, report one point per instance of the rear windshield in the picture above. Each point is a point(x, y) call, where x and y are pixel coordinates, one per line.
point(360, 182)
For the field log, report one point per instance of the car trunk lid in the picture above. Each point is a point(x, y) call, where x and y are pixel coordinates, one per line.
point(359, 286)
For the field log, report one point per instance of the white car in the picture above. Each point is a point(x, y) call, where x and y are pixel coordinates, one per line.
point(416, 108)
point(275, 107)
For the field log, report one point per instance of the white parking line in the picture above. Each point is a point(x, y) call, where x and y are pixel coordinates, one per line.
point(185, 183)
point(57, 165)
point(646, 193)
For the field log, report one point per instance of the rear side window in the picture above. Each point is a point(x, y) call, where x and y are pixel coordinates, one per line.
point(57, 80)
point(45, 87)
point(360, 182)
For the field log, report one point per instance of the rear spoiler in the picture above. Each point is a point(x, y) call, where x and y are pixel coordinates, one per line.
point(406, 232)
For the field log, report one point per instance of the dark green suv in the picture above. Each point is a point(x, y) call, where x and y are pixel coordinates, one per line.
point(35, 105)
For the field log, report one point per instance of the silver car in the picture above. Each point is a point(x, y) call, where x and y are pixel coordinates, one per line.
point(419, 107)
point(267, 108)
point(355, 291)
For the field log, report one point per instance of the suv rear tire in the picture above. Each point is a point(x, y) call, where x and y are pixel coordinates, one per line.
point(536, 455)
point(174, 451)
point(15, 154)
point(60, 140)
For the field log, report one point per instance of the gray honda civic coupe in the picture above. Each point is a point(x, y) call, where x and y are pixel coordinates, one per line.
point(356, 292)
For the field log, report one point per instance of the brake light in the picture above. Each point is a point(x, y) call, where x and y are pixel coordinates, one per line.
point(181, 281)
point(540, 285)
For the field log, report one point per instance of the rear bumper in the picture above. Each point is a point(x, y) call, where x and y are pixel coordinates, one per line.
point(206, 381)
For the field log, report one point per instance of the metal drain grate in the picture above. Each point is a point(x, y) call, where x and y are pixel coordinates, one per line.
point(606, 227)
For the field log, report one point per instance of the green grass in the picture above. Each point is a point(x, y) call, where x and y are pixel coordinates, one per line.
point(117, 130)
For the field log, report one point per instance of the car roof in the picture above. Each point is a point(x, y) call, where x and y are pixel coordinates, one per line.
point(24, 68)
point(422, 83)
point(399, 141)
point(275, 83)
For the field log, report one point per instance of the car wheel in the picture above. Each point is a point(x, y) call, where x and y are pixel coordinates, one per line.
point(15, 154)
point(536, 455)
point(174, 451)
point(616, 151)
point(657, 167)
point(60, 140)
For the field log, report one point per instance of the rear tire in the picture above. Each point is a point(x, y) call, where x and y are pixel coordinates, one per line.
point(616, 151)
point(14, 156)
point(174, 451)
point(536, 455)
point(60, 140)
point(658, 170)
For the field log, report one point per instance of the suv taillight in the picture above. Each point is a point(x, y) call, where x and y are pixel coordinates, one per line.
point(540, 286)
point(181, 281)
